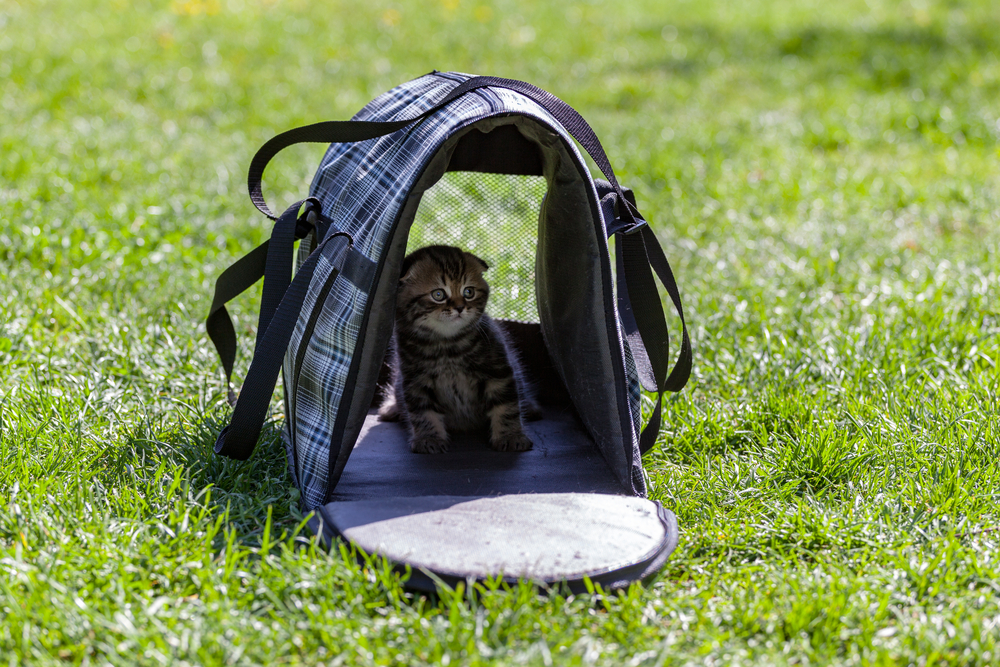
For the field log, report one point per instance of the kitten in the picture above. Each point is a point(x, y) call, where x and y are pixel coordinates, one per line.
point(452, 368)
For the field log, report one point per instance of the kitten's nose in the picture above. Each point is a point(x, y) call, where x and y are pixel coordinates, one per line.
point(459, 309)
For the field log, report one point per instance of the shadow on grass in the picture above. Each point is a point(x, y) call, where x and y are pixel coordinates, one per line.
point(245, 490)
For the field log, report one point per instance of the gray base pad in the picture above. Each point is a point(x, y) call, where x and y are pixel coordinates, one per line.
point(551, 514)
point(546, 538)
point(564, 459)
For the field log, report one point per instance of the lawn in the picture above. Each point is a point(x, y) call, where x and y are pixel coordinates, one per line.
point(824, 178)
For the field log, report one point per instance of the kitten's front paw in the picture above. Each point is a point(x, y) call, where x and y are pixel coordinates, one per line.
point(514, 442)
point(429, 446)
point(389, 412)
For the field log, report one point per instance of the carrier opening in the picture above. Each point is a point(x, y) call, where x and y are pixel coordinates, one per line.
point(495, 216)
point(509, 190)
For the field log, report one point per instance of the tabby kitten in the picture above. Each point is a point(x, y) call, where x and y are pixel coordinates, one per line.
point(452, 368)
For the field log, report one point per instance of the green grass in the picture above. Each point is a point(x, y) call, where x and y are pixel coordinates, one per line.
point(823, 175)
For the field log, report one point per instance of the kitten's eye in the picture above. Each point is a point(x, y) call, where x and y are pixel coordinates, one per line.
point(438, 295)
point(469, 292)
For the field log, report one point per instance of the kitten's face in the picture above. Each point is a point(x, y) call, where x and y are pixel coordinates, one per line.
point(442, 290)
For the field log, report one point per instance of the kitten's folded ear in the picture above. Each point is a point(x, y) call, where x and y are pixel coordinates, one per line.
point(481, 261)
point(406, 268)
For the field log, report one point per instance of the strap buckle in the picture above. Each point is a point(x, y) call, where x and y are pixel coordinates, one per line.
point(613, 207)
point(627, 228)
point(309, 215)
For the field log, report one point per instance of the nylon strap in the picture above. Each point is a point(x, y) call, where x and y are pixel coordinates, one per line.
point(644, 322)
point(271, 260)
point(235, 280)
point(635, 258)
point(238, 439)
point(651, 324)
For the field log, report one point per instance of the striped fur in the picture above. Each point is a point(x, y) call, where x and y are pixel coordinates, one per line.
point(452, 367)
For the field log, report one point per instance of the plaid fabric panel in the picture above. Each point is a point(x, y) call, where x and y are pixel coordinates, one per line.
point(405, 101)
point(305, 374)
point(363, 186)
point(321, 384)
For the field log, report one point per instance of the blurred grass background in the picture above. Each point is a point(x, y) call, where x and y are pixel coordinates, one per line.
point(823, 177)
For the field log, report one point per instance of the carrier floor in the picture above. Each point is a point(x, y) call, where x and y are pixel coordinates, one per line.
point(564, 460)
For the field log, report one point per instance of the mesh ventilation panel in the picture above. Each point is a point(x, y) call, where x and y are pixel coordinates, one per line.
point(494, 216)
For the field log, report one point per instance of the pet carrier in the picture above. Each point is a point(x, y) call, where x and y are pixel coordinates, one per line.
point(488, 164)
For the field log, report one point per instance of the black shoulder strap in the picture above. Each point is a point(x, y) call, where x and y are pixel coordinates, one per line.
point(238, 439)
point(271, 260)
point(639, 254)
point(644, 322)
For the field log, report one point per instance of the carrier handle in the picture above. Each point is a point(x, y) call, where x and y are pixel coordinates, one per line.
point(238, 439)
point(341, 131)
